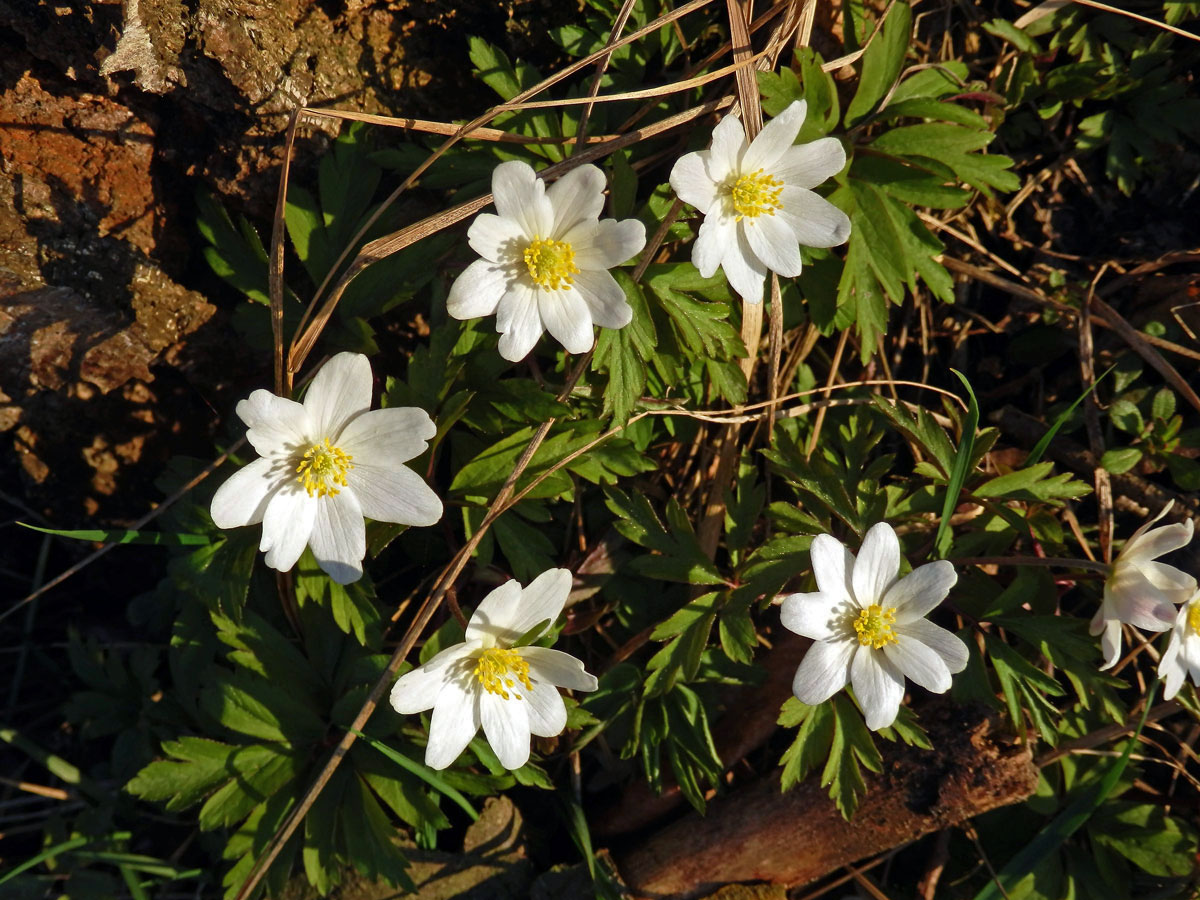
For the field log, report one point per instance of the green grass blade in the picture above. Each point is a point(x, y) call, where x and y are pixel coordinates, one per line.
point(958, 475)
point(126, 536)
point(422, 771)
point(1065, 823)
point(1040, 447)
point(56, 850)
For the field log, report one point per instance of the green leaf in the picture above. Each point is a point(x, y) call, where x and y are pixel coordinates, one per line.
point(254, 772)
point(430, 776)
point(811, 745)
point(1121, 460)
point(881, 64)
point(126, 536)
point(958, 475)
point(1146, 836)
point(851, 749)
point(1006, 30)
point(197, 767)
point(679, 555)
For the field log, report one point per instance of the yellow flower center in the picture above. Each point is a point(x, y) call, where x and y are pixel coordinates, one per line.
point(551, 263)
point(874, 627)
point(755, 194)
point(323, 469)
point(499, 670)
point(1193, 617)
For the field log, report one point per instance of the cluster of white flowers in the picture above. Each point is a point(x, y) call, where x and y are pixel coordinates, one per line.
point(329, 462)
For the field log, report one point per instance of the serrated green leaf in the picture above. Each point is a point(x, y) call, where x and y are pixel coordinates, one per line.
point(882, 63)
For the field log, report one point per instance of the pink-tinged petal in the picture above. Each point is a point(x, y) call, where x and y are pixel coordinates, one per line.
point(456, 718)
point(506, 726)
point(920, 591)
point(607, 243)
point(1177, 585)
point(877, 564)
point(576, 198)
point(521, 196)
point(418, 690)
point(387, 437)
point(1129, 597)
point(287, 525)
point(774, 243)
point(339, 392)
point(878, 687)
point(339, 537)
point(519, 323)
point(1171, 669)
point(394, 495)
point(1157, 542)
point(776, 137)
point(491, 618)
point(718, 233)
point(545, 708)
point(496, 239)
point(565, 315)
point(807, 165)
point(916, 661)
point(276, 427)
point(691, 183)
point(557, 668)
point(946, 644)
point(743, 270)
point(1110, 643)
point(824, 671)
point(243, 498)
point(832, 564)
point(814, 220)
point(724, 154)
point(477, 291)
point(604, 298)
point(822, 617)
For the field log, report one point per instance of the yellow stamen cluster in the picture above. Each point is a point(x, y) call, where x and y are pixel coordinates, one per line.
point(499, 670)
point(551, 263)
point(874, 627)
point(1193, 618)
point(323, 469)
point(754, 194)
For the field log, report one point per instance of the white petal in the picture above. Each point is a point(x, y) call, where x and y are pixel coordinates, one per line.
point(506, 725)
point(718, 233)
point(746, 275)
point(418, 690)
point(832, 564)
point(339, 537)
point(878, 687)
point(276, 427)
point(775, 138)
point(690, 181)
point(506, 615)
point(1171, 669)
point(545, 708)
point(576, 198)
point(608, 243)
point(807, 165)
point(490, 619)
point(521, 196)
point(604, 298)
point(1110, 643)
point(519, 323)
point(340, 391)
point(1157, 542)
point(921, 590)
point(824, 671)
point(394, 495)
point(287, 524)
point(920, 663)
point(556, 667)
point(387, 437)
point(243, 498)
point(455, 720)
point(477, 291)
point(877, 564)
point(725, 152)
point(774, 243)
point(565, 315)
point(496, 239)
point(1129, 597)
point(1178, 586)
point(941, 641)
point(815, 221)
point(819, 616)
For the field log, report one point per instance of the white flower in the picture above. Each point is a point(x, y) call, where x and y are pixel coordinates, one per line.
point(869, 628)
point(545, 261)
point(1139, 591)
point(325, 464)
point(487, 681)
point(758, 202)
point(1183, 650)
